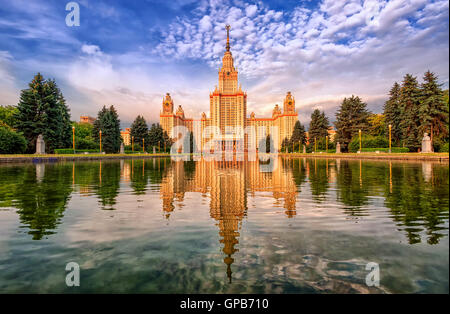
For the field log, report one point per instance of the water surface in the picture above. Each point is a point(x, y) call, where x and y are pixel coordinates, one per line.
point(159, 226)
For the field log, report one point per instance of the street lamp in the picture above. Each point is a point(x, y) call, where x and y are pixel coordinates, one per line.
point(132, 143)
point(100, 132)
point(326, 140)
point(360, 143)
point(143, 145)
point(73, 138)
point(390, 137)
point(315, 144)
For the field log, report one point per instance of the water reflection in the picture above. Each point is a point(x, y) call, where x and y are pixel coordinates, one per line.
point(414, 195)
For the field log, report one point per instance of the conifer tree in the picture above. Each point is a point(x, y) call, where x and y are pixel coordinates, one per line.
point(392, 113)
point(298, 135)
point(42, 110)
point(319, 125)
point(433, 110)
point(351, 117)
point(139, 130)
point(410, 118)
point(108, 122)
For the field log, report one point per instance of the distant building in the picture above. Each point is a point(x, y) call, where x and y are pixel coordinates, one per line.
point(228, 112)
point(87, 119)
point(126, 137)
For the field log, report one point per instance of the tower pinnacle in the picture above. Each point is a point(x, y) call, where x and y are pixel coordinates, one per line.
point(228, 36)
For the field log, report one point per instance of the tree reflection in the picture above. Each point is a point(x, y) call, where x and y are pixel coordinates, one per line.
point(41, 195)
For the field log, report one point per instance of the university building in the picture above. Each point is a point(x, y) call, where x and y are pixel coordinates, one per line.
point(228, 115)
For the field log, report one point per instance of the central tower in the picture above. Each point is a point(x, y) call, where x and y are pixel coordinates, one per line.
point(228, 103)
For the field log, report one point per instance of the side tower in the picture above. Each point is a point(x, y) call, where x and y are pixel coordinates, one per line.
point(288, 118)
point(166, 116)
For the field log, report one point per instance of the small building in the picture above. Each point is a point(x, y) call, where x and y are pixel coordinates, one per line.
point(87, 119)
point(126, 137)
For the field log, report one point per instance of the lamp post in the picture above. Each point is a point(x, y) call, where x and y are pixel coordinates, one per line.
point(315, 144)
point(360, 143)
point(73, 138)
point(299, 144)
point(132, 143)
point(159, 146)
point(100, 132)
point(390, 137)
point(326, 140)
point(292, 146)
point(143, 145)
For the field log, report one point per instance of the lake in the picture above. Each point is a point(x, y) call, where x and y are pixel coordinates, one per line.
point(162, 226)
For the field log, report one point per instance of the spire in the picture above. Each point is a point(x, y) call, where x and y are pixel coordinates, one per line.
point(228, 36)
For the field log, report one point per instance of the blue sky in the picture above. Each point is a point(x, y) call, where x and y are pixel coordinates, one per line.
point(130, 53)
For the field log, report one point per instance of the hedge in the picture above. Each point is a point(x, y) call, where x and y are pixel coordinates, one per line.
point(368, 141)
point(61, 151)
point(444, 148)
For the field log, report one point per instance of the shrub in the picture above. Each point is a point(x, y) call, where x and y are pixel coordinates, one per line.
point(62, 151)
point(86, 143)
point(11, 142)
point(368, 141)
point(444, 148)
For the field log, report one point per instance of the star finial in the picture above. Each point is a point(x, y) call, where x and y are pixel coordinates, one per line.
point(227, 27)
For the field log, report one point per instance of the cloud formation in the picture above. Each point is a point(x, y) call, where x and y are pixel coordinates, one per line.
point(320, 51)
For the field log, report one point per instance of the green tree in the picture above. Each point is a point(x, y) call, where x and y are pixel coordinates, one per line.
point(433, 111)
point(108, 122)
point(11, 142)
point(377, 124)
point(298, 135)
point(410, 118)
point(157, 136)
point(351, 117)
point(7, 114)
point(139, 130)
point(319, 125)
point(83, 136)
point(42, 110)
point(393, 114)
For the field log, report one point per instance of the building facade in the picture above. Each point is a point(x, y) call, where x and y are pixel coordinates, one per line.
point(126, 137)
point(229, 127)
point(87, 119)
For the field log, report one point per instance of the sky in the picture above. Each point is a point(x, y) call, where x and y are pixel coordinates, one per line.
point(130, 53)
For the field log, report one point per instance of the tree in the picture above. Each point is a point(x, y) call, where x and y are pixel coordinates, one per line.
point(11, 142)
point(377, 124)
point(108, 122)
point(83, 136)
point(319, 125)
point(139, 130)
point(351, 117)
point(157, 136)
point(42, 110)
point(7, 114)
point(392, 113)
point(409, 106)
point(433, 110)
point(298, 135)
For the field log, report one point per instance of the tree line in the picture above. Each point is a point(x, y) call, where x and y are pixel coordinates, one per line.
point(411, 110)
point(42, 110)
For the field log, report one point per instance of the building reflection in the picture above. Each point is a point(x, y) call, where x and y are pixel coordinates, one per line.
point(228, 184)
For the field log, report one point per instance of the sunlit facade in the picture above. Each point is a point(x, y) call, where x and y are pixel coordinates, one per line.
point(225, 128)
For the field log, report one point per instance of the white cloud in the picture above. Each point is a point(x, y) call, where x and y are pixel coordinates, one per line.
point(343, 48)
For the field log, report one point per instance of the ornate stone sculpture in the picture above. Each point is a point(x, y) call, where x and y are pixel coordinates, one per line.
point(122, 148)
point(338, 148)
point(304, 149)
